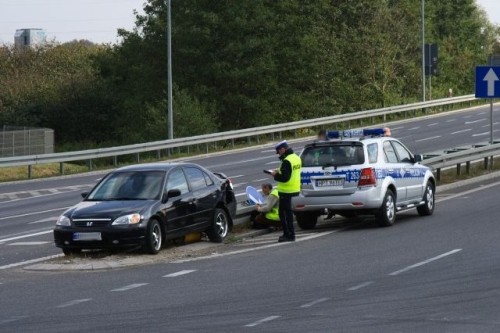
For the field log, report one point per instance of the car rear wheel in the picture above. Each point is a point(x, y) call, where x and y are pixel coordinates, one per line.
point(68, 251)
point(428, 207)
point(306, 220)
point(220, 226)
point(154, 238)
point(386, 216)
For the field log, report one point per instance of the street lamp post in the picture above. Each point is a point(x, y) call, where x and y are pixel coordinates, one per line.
point(423, 50)
point(169, 70)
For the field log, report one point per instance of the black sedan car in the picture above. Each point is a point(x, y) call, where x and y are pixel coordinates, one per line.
point(143, 205)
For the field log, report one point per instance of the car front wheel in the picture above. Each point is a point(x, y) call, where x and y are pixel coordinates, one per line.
point(154, 238)
point(428, 207)
point(386, 216)
point(220, 226)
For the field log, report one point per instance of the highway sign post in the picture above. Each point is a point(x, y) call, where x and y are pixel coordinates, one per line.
point(488, 86)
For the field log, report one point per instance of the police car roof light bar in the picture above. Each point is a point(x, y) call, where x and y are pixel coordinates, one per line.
point(352, 133)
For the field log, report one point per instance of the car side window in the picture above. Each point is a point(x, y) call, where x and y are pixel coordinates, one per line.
point(390, 153)
point(196, 178)
point(208, 179)
point(403, 153)
point(177, 180)
point(372, 152)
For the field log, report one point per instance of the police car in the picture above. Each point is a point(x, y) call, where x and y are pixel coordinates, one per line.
point(362, 172)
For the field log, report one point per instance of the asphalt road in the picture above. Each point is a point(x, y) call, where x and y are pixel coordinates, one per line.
point(30, 208)
point(425, 274)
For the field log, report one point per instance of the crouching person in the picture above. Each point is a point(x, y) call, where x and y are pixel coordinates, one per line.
point(267, 215)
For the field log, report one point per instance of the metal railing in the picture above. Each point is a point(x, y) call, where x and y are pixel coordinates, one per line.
point(89, 155)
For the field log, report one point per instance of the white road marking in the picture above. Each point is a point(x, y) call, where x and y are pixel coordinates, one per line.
point(130, 286)
point(433, 124)
point(450, 120)
point(187, 271)
point(268, 151)
point(414, 128)
point(261, 180)
point(481, 134)
point(474, 121)
point(258, 322)
point(430, 138)
point(48, 219)
point(34, 193)
point(461, 131)
point(273, 162)
point(33, 213)
point(425, 262)
point(308, 305)
point(237, 176)
point(54, 190)
point(28, 243)
point(25, 236)
point(359, 286)
point(396, 128)
point(75, 302)
point(32, 261)
point(462, 194)
point(6, 321)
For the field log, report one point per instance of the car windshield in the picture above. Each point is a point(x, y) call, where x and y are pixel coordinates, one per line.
point(129, 185)
point(332, 155)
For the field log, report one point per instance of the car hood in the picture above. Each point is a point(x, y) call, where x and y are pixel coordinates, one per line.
point(109, 209)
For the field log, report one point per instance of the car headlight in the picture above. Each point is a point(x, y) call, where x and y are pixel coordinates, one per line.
point(127, 219)
point(63, 220)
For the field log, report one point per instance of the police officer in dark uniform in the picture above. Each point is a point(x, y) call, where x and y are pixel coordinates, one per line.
point(288, 178)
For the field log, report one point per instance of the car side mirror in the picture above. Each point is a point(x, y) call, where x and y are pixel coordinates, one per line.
point(418, 158)
point(84, 194)
point(170, 194)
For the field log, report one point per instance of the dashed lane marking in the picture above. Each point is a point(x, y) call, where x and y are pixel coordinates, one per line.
point(359, 286)
point(425, 262)
point(258, 322)
point(130, 286)
point(184, 272)
point(27, 243)
point(74, 302)
point(308, 305)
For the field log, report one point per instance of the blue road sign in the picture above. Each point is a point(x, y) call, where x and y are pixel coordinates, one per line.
point(487, 81)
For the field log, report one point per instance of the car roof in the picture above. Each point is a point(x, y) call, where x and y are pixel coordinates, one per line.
point(159, 166)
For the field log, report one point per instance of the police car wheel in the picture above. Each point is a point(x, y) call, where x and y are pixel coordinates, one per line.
point(386, 216)
point(428, 207)
point(306, 220)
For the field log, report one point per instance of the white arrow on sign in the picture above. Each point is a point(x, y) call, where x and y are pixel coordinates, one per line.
point(491, 77)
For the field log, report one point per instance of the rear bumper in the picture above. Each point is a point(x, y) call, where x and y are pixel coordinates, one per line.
point(366, 198)
point(117, 238)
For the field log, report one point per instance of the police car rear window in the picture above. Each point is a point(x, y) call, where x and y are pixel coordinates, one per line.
point(332, 155)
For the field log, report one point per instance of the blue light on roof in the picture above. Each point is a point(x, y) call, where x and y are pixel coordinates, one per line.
point(356, 133)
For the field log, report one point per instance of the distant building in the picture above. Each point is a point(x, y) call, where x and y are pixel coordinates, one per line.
point(30, 37)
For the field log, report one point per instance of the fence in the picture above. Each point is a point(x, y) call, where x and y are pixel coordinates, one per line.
point(21, 141)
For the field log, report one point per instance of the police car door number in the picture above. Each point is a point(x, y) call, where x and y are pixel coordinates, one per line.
point(330, 182)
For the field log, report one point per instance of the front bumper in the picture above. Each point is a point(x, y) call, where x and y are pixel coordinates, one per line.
point(110, 238)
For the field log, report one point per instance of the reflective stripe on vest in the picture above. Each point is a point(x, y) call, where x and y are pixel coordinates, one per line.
point(273, 214)
point(293, 184)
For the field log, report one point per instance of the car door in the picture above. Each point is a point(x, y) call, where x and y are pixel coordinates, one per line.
point(411, 172)
point(393, 169)
point(204, 195)
point(180, 210)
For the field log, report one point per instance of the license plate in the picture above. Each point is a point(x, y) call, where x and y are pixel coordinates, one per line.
point(87, 236)
point(329, 182)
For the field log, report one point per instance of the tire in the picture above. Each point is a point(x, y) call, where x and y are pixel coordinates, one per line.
point(220, 226)
point(386, 216)
point(154, 238)
point(429, 201)
point(306, 220)
point(69, 252)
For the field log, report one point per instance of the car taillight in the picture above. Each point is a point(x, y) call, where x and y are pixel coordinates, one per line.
point(367, 177)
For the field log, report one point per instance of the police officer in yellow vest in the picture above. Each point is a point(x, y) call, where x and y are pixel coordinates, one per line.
point(288, 178)
point(267, 215)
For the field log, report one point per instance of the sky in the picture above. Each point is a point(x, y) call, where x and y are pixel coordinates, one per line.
point(96, 20)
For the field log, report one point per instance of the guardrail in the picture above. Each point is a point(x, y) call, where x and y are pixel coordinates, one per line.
point(89, 155)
